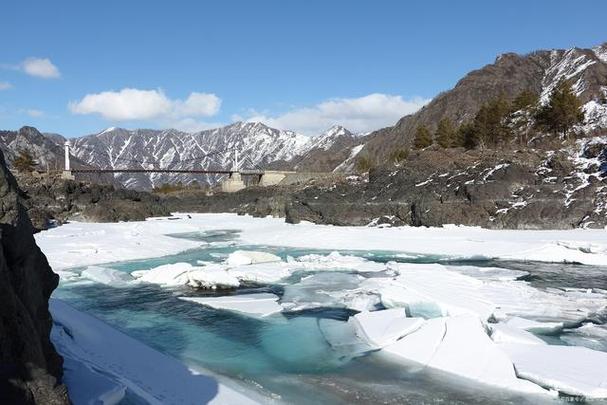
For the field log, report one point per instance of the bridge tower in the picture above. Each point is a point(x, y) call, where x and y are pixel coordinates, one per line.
point(234, 182)
point(67, 171)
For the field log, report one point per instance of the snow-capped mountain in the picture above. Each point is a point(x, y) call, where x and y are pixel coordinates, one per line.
point(256, 144)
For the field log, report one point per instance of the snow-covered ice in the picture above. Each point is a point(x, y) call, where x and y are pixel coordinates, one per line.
point(502, 333)
point(89, 344)
point(569, 369)
point(261, 305)
point(178, 274)
point(79, 244)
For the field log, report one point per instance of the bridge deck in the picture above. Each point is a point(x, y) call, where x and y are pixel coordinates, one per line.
point(189, 171)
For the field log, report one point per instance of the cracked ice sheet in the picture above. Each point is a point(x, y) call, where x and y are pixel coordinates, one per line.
point(569, 369)
point(432, 290)
point(259, 305)
point(80, 244)
point(460, 346)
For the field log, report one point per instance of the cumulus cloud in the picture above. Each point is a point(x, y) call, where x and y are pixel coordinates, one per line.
point(5, 86)
point(40, 67)
point(134, 105)
point(360, 114)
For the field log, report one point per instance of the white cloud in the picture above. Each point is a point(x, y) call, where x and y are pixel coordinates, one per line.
point(5, 86)
point(134, 104)
point(40, 67)
point(360, 114)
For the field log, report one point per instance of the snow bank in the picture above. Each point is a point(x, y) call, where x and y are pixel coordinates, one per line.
point(89, 344)
point(260, 305)
point(77, 244)
point(569, 369)
point(87, 386)
point(337, 261)
point(460, 346)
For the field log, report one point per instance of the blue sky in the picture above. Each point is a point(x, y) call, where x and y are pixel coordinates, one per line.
point(76, 67)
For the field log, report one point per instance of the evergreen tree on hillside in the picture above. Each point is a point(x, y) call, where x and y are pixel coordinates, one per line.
point(445, 133)
point(399, 156)
point(423, 138)
point(490, 122)
point(25, 162)
point(468, 136)
point(525, 100)
point(562, 112)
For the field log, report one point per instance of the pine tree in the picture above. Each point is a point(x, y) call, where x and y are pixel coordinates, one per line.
point(24, 163)
point(562, 112)
point(445, 133)
point(468, 136)
point(525, 100)
point(490, 123)
point(423, 138)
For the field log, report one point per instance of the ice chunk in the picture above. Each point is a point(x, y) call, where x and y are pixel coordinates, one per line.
point(381, 328)
point(460, 346)
point(260, 305)
point(211, 277)
point(569, 369)
point(502, 333)
point(111, 277)
point(534, 326)
point(263, 273)
point(87, 386)
point(244, 257)
point(337, 261)
point(167, 275)
point(319, 290)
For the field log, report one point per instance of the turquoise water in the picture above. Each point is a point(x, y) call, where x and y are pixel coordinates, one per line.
point(307, 357)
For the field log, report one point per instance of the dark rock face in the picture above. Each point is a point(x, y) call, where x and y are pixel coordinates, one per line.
point(30, 368)
point(54, 199)
point(500, 189)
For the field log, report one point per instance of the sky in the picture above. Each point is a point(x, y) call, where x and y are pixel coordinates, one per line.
point(78, 67)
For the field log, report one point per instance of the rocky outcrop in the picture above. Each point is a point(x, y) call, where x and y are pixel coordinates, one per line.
point(559, 188)
point(30, 368)
point(51, 200)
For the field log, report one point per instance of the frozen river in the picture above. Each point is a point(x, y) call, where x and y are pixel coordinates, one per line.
point(315, 314)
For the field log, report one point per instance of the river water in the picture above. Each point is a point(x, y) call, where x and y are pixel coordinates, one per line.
point(295, 359)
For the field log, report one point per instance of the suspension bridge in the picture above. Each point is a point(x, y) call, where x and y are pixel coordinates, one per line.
point(232, 182)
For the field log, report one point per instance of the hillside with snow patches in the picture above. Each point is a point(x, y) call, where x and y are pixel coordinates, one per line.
point(256, 144)
point(509, 75)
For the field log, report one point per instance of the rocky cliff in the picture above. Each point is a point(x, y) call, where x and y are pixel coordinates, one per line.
point(30, 368)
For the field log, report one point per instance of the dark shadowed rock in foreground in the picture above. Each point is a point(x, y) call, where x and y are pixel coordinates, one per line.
point(30, 368)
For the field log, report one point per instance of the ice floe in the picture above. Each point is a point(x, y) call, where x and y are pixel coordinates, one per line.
point(502, 333)
point(569, 369)
point(382, 328)
point(460, 345)
point(260, 305)
point(178, 274)
point(242, 257)
point(107, 276)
